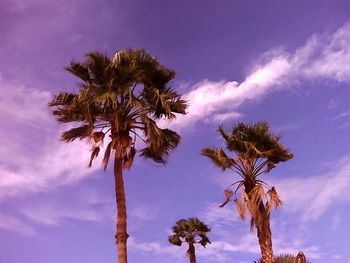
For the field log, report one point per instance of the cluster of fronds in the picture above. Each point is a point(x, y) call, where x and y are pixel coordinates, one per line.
point(191, 231)
point(286, 258)
point(123, 97)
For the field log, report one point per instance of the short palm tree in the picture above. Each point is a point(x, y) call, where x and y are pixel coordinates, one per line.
point(121, 98)
point(192, 231)
point(287, 258)
point(255, 152)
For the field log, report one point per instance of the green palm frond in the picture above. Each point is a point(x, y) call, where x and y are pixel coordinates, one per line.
point(256, 141)
point(79, 70)
point(63, 98)
point(218, 157)
point(160, 141)
point(76, 133)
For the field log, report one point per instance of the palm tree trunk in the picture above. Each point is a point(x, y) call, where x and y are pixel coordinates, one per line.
point(265, 238)
point(121, 235)
point(192, 253)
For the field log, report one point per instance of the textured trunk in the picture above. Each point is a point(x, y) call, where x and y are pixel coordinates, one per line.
point(121, 235)
point(192, 253)
point(265, 238)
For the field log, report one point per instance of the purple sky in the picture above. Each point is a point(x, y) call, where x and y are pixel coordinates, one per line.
point(286, 62)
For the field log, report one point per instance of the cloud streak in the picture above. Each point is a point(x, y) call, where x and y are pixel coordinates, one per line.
point(322, 57)
point(32, 158)
point(313, 196)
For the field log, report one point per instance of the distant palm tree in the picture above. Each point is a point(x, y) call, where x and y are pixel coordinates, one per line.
point(191, 231)
point(123, 96)
point(287, 258)
point(255, 152)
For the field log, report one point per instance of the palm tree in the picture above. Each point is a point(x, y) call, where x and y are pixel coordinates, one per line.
point(287, 258)
point(191, 231)
point(255, 152)
point(122, 97)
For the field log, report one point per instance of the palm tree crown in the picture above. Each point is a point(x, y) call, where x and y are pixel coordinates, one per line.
point(192, 231)
point(123, 96)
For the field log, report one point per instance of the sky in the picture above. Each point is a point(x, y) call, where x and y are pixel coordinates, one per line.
point(285, 62)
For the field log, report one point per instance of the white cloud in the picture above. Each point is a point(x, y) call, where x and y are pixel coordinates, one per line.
point(157, 248)
point(16, 225)
point(32, 157)
point(85, 204)
point(323, 56)
point(311, 197)
point(145, 212)
point(20, 104)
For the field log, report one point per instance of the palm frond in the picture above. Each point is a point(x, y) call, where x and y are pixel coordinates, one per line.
point(76, 133)
point(62, 99)
point(160, 142)
point(94, 153)
point(275, 200)
point(129, 158)
point(241, 208)
point(107, 155)
point(79, 70)
point(218, 157)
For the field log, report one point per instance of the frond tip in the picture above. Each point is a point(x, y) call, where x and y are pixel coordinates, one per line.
point(218, 157)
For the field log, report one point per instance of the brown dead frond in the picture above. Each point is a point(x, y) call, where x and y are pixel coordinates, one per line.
point(94, 154)
point(275, 200)
point(241, 208)
point(129, 158)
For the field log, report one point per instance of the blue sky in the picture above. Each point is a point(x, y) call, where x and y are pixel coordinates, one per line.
point(286, 62)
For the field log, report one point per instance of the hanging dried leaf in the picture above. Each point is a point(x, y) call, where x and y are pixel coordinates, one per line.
point(241, 208)
point(107, 155)
point(94, 154)
point(275, 200)
point(257, 195)
point(228, 193)
point(98, 136)
point(129, 159)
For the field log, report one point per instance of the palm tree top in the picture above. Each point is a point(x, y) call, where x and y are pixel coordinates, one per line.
point(256, 141)
point(250, 142)
point(190, 230)
point(124, 95)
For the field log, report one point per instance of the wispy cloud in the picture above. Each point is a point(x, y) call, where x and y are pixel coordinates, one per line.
point(322, 57)
point(55, 213)
point(14, 224)
point(313, 196)
point(32, 158)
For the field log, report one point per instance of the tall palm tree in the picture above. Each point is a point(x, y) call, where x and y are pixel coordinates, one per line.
point(191, 231)
point(255, 152)
point(122, 97)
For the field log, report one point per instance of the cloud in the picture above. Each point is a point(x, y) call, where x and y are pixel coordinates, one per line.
point(32, 157)
point(145, 212)
point(82, 207)
point(16, 225)
point(156, 248)
point(311, 197)
point(322, 57)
